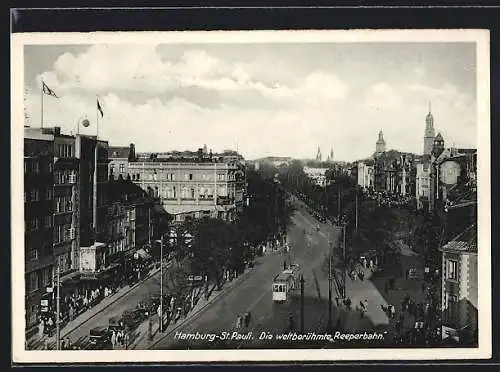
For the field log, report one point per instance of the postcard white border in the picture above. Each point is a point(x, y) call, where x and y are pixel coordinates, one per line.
point(480, 37)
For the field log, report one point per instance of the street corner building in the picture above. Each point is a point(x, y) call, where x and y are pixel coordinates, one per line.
point(82, 229)
point(188, 184)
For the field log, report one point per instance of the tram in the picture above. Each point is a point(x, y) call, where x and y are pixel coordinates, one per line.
point(285, 282)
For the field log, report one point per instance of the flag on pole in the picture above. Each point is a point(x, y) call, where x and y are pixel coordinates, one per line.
point(48, 91)
point(100, 108)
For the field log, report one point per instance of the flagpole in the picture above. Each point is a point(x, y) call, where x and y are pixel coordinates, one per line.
point(95, 175)
point(41, 105)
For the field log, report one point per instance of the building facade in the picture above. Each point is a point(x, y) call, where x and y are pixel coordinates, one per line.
point(317, 175)
point(119, 158)
point(423, 183)
point(459, 288)
point(193, 188)
point(365, 174)
point(38, 220)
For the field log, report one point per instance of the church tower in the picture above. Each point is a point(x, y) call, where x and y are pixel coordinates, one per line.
point(318, 154)
point(380, 145)
point(429, 133)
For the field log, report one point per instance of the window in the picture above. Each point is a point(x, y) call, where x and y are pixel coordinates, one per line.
point(122, 168)
point(137, 177)
point(47, 221)
point(34, 224)
point(33, 254)
point(26, 198)
point(34, 195)
point(33, 281)
point(48, 194)
point(452, 269)
point(192, 193)
point(26, 166)
point(190, 176)
point(46, 276)
point(112, 169)
point(36, 166)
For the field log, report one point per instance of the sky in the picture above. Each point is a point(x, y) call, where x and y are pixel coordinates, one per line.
point(263, 99)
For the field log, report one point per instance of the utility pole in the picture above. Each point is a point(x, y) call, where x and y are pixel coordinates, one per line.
point(344, 264)
point(330, 325)
point(356, 210)
point(161, 285)
point(58, 310)
point(301, 303)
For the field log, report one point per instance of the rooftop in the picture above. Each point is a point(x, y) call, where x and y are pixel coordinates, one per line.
point(464, 242)
point(115, 152)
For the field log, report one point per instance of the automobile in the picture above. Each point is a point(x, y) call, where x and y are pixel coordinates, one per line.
point(115, 324)
point(100, 337)
point(132, 318)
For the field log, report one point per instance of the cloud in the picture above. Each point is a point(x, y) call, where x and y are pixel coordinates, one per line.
point(382, 96)
point(102, 69)
point(161, 102)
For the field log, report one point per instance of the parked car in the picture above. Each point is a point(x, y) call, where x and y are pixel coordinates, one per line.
point(100, 337)
point(132, 318)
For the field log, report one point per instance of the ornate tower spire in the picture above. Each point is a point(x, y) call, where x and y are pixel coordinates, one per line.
point(318, 154)
point(429, 134)
point(380, 145)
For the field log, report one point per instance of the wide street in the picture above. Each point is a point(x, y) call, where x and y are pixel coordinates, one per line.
point(255, 295)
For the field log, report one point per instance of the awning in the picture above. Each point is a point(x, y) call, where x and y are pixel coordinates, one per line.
point(99, 274)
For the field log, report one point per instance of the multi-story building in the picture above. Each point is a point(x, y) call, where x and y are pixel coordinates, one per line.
point(119, 157)
point(62, 216)
point(129, 217)
point(317, 175)
point(459, 288)
point(93, 156)
point(395, 173)
point(38, 220)
point(192, 185)
point(423, 183)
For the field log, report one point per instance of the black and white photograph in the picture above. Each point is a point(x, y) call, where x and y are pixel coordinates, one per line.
point(278, 195)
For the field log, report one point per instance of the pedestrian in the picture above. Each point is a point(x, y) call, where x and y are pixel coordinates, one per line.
point(365, 303)
point(41, 328)
point(119, 337)
point(291, 324)
point(113, 339)
point(393, 312)
point(238, 321)
point(63, 344)
point(68, 343)
point(126, 339)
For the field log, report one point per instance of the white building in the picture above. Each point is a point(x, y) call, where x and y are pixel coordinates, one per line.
point(366, 175)
point(423, 183)
point(318, 175)
point(460, 287)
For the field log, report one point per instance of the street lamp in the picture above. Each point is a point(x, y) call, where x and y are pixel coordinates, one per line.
point(82, 120)
point(160, 313)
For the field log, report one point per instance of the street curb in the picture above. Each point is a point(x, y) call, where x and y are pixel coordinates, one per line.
point(111, 303)
point(204, 307)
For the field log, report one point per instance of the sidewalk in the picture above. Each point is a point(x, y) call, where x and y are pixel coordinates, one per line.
point(140, 337)
point(35, 342)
